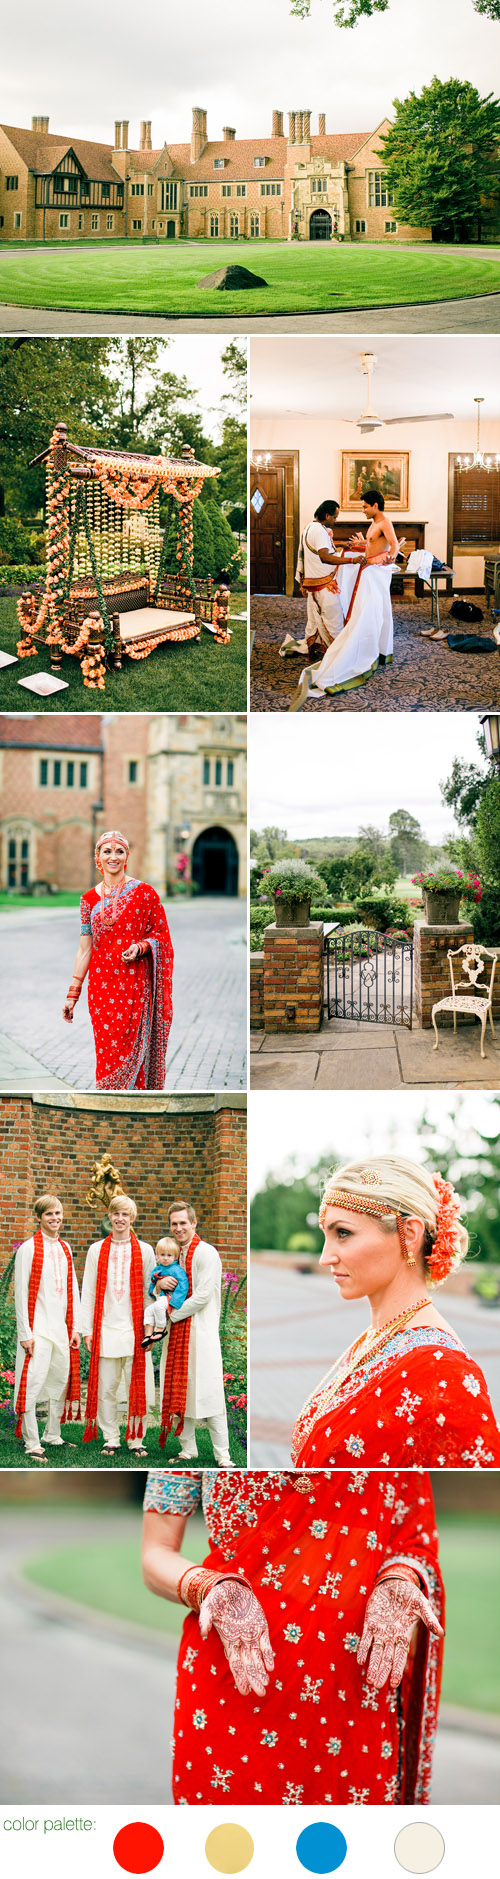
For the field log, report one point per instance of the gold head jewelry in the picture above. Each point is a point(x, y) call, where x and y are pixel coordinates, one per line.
point(105, 1182)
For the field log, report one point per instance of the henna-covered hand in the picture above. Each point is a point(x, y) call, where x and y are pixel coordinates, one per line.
point(394, 1607)
point(236, 1614)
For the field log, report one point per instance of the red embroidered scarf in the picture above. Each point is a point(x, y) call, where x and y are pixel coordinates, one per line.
point(73, 1388)
point(173, 1407)
point(137, 1392)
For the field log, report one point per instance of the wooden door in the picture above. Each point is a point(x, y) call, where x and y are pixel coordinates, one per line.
point(267, 530)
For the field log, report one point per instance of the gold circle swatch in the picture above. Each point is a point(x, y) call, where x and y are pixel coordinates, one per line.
point(229, 1848)
point(419, 1847)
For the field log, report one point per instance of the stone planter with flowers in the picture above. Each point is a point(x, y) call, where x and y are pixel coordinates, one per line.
point(443, 890)
point(292, 885)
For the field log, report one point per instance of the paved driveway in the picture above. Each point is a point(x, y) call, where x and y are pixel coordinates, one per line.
point(207, 1047)
point(480, 314)
point(299, 1327)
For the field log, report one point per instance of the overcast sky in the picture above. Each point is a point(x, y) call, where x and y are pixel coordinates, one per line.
point(86, 66)
point(329, 775)
point(343, 1126)
point(199, 359)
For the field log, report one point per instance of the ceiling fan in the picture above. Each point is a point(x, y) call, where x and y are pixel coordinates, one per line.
point(370, 421)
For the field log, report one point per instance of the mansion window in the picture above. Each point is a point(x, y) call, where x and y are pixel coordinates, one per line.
point(206, 770)
point(94, 223)
point(390, 228)
point(259, 163)
point(198, 189)
point(270, 189)
point(67, 185)
point(214, 225)
point(136, 226)
point(219, 163)
point(83, 775)
point(218, 772)
point(137, 189)
point(57, 774)
point(360, 228)
point(51, 773)
point(227, 189)
point(320, 185)
point(230, 773)
point(234, 227)
point(80, 224)
point(254, 226)
point(17, 220)
point(379, 194)
point(169, 195)
point(110, 222)
point(105, 192)
point(133, 770)
point(241, 189)
point(150, 189)
point(70, 775)
point(18, 862)
point(64, 221)
point(12, 182)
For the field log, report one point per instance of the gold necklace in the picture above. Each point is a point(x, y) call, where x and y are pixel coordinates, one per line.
point(373, 1339)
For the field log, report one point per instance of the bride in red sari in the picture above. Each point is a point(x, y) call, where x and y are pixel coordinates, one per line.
point(310, 1663)
point(406, 1393)
point(127, 951)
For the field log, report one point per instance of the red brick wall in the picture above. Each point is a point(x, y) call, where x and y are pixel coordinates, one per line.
point(161, 1157)
point(293, 977)
point(126, 803)
point(256, 991)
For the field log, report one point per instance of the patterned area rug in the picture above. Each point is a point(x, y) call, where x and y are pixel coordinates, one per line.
point(424, 676)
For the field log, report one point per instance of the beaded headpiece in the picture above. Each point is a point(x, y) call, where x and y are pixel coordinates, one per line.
point(446, 1251)
point(108, 836)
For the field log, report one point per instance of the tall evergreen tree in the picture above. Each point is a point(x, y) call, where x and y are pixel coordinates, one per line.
point(440, 158)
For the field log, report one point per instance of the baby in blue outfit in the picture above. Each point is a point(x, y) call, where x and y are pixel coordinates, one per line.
point(168, 1285)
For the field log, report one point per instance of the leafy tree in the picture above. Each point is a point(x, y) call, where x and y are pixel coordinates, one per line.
point(407, 840)
point(441, 158)
point(226, 553)
point(237, 519)
point(234, 366)
point(471, 1158)
point(43, 381)
point(203, 542)
point(231, 457)
point(464, 789)
point(348, 12)
point(373, 839)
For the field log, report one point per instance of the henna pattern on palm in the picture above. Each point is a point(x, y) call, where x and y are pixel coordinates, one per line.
point(394, 1607)
point(235, 1613)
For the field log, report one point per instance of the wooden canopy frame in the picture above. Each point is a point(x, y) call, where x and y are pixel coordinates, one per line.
point(106, 557)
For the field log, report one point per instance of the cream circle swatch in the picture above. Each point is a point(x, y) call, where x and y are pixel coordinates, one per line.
point(419, 1847)
point(229, 1848)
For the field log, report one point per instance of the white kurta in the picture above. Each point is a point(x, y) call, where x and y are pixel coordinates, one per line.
point(117, 1328)
point(354, 655)
point(205, 1388)
point(48, 1368)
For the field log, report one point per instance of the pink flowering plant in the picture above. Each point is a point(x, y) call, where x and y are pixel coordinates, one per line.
point(449, 881)
point(292, 880)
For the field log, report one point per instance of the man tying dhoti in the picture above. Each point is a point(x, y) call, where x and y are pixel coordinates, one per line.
point(316, 573)
point(114, 1295)
point(191, 1380)
point(47, 1312)
point(380, 538)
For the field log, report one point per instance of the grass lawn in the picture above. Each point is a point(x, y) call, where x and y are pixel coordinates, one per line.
point(16, 901)
point(79, 1454)
point(128, 278)
point(189, 677)
point(108, 1577)
point(470, 1558)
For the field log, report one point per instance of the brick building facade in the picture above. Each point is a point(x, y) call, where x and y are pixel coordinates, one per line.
point(174, 784)
point(172, 1148)
point(314, 186)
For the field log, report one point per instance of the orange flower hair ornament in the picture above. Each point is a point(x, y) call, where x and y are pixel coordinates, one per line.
point(445, 1252)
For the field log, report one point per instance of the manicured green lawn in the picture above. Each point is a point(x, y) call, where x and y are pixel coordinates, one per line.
point(470, 1563)
point(108, 1577)
point(189, 677)
point(76, 1453)
point(129, 278)
point(54, 901)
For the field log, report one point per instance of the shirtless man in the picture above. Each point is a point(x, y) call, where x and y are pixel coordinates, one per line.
point(381, 538)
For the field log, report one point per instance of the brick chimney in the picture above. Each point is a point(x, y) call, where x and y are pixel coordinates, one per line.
point(322, 124)
point(118, 133)
point(228, 134)
point(198, 133)
point(145, 137)
point(125, 134)
point(292, 128)
point(40, 123)
point(277, 123)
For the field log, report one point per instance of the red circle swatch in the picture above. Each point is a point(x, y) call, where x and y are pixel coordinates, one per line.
point(138, 1847)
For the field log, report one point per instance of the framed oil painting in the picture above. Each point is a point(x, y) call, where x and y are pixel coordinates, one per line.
point(385, 470)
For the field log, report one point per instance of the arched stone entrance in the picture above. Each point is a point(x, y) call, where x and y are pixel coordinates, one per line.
point(320, 225)
point(214, 862)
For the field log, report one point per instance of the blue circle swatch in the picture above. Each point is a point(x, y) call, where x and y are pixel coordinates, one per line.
point(321, 1848)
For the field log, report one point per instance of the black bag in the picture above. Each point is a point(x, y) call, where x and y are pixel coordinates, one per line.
point(465, 610)
point(470, 642)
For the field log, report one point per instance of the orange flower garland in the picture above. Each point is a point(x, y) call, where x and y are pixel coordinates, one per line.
point(220, 616)
point(445, 1252)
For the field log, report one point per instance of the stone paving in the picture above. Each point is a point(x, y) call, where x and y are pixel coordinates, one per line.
point(424, 676)
point(345, 1056)
point(207, 1046)
point(61, 1751)
point(299, 1326)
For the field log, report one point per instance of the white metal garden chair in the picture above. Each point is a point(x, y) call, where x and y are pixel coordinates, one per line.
point(470, 997)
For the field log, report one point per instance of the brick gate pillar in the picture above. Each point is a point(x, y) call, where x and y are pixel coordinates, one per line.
point(293, 977)
point(431, 966)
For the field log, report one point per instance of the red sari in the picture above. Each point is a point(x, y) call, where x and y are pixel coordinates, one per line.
point(421, 1402)
point(130, 1005)
point(311, 1548)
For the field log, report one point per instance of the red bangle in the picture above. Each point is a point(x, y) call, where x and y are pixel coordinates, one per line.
point(199, 1582)
point(398, 1572)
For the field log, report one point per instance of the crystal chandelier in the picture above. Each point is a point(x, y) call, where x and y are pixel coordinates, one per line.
point(478, 461)
point(262, 460)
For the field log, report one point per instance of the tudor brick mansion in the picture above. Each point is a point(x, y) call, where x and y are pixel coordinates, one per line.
point(315, 186)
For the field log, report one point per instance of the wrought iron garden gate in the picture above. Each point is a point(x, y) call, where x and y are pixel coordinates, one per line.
point(369, 978)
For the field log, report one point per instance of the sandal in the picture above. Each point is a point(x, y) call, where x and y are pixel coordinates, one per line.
point(154, 1337)
point(140, 1454)
point(107, 1450)
point(36, 1454)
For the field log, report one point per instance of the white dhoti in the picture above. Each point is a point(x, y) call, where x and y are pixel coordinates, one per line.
point(47, 1380)
point(325, 618)
point(112, 1398)
point(367, 637)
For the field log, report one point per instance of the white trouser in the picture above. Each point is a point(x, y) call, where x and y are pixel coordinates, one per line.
point(325, 618)
point(218, 1432)
point(113, 1371)
point(156, 1313)
point(48, 1372)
